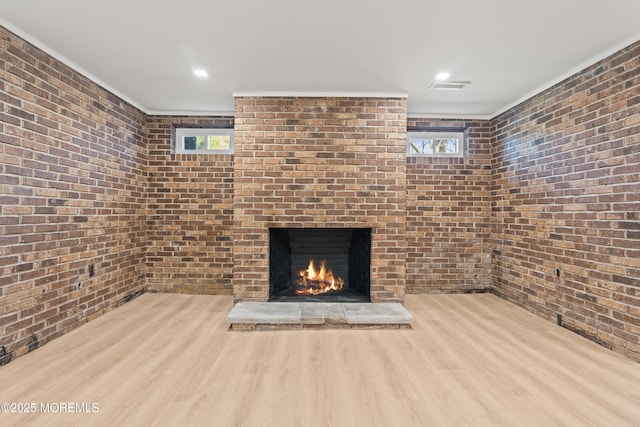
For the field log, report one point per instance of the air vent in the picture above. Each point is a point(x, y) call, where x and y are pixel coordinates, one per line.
point(449, 85)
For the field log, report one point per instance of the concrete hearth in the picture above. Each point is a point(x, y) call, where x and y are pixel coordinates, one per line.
point(284, 315)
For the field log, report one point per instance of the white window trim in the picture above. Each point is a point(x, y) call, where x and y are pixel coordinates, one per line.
point(429, 135)
point(181, 132)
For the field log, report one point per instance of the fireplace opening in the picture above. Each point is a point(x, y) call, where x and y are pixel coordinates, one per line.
point(320, 264)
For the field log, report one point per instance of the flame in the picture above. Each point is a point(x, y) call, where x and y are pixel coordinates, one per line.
point(315, 282)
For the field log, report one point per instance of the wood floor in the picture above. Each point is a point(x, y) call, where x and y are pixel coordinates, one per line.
point(470, 360)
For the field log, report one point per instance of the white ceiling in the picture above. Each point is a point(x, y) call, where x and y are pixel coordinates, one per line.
point(145, 50)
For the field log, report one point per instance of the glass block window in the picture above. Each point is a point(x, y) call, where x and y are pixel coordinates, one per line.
point(435, 144)
point(203, 140)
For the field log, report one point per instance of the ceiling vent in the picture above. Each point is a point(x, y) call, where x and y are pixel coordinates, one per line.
point(449, 85)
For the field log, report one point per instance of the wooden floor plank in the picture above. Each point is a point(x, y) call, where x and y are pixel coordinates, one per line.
point(474, 360)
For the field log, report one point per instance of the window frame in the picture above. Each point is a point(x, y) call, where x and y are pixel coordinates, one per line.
point(185, 131)
point(427, 134)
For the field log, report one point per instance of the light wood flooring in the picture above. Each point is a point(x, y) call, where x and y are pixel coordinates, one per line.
point(470, 360)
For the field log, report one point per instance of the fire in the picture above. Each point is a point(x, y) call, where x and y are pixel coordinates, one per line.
point(315, 282)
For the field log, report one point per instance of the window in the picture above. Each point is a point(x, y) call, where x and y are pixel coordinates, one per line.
point(204, 141)
point(435, 144)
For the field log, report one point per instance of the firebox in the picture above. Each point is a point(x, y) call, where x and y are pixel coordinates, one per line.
point(320, 264)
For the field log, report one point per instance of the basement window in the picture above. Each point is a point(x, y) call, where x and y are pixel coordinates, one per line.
point(435, 144)
point(203, 141)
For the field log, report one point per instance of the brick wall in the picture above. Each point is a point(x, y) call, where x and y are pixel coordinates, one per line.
point(190, 208)
point(72, 179)
point(566, 203)
point(86, 179)
point(319, 162)
point(448, 213)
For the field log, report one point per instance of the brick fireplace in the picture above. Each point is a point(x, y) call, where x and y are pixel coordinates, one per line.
point(319, 163)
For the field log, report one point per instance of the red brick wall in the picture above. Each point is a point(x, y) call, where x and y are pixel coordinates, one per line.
point(72, 179)
point(566, 202)
point(190, 213)
point(448, 213)
point(319, 162)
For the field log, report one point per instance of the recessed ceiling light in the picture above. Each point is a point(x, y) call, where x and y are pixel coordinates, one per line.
point(200, 73)
point(442, 76)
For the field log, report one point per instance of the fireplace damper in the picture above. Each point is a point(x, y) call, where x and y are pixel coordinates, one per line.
point(319, 264)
